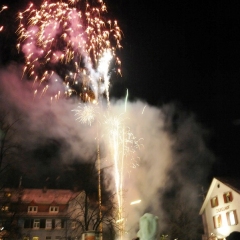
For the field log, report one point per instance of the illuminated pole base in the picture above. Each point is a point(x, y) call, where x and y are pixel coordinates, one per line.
point(90, 235)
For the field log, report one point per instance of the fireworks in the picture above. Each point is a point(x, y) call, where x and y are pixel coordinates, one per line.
point(122, 145)
point(70, 48)
point(74, 40)
point(3, 8)
point(85, 114)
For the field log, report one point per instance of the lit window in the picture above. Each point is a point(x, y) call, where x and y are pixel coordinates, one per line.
point(232, 218)
point(54, 209)
point(49, 223)
point(227, 197)
point(8, 194)
point(35, 238)
point(57, 223)
point(5, 208)
point(214, 202)
point(25, 238)
point(32, 209)
point(36, 223)
point(217, 220)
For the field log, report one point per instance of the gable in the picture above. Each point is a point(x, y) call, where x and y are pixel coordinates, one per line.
point(217, 187)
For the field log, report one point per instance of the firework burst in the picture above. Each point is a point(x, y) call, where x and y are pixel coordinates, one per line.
point(74, 40)
point(85, 114)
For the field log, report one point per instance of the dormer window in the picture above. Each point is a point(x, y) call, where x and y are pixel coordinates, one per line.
point(32, 209)
point(214, 202)
point(54, 209)
point(227, 197)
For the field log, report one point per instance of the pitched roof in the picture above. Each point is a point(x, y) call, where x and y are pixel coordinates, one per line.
point(48, 196)
point(230, 182)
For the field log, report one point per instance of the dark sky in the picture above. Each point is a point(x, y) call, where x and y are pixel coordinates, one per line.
point(177, 51)
point(189, 52)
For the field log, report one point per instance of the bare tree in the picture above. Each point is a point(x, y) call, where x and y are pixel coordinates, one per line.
point(9, 148)
point(9, 152)
point(84, 212)
point(87, 210)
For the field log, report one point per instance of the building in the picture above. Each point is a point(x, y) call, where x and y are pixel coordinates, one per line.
point(36, 214)
point(221, 209)
point(50, 214)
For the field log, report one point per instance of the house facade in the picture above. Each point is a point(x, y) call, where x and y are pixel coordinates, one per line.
point(36, 214)
point(221, 209)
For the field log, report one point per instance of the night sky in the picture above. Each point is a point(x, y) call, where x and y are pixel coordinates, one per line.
point(189, 52)
point(185, 52)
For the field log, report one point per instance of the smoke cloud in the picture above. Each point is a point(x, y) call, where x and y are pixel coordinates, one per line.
point(172, 144)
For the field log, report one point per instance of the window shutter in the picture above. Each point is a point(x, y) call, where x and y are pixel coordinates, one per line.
point(42, 223)
point(53, 223)
point(231, 196)
point(31, 223)
point(225, 198)
point(214, 222)
point(62, 223)
point(27, 223)
point(236, 218)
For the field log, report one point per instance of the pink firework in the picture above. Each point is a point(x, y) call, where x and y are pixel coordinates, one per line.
point(68, 40)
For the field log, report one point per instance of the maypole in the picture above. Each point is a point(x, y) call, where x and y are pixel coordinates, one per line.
point(99, 187)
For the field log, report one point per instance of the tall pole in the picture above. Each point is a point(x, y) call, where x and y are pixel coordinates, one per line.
point(99, 175)
point(99, 187)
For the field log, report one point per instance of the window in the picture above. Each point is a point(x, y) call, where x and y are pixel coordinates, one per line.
point(232, 218)
point(217, 220)
point(5, 208)
point(49, 223)
point(227, 197)
point(25, 238)
point(36, 223)
point(74, 224)
point(54, 209)
point(48, 237)
point(32, 209)
point(35, 238)
point(8, 194)
point(214, 202)
point(58, 223)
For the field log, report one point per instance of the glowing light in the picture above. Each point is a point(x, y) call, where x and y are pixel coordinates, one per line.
point(85, 114)
point(65, 39)
point(3, 8)
point(135, 202)
point(122, 146)
point(120, 220)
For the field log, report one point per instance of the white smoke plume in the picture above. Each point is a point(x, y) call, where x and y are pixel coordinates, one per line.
point(173, 144)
